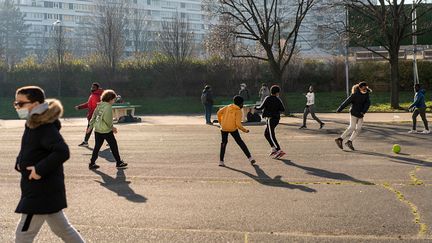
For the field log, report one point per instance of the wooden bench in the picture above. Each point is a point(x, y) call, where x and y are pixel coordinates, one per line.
point(123, 109)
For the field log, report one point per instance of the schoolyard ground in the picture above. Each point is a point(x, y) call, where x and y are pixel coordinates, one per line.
point(174, 190)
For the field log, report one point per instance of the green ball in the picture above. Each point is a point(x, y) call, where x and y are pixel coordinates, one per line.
point(396, 148)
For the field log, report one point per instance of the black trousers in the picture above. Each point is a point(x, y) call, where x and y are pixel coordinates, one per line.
point(422, 113)
point(269, 132)
point(99, 139)
point(239, 141)
point(87, 136)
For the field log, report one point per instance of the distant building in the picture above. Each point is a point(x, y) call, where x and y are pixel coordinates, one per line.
point(74, 16)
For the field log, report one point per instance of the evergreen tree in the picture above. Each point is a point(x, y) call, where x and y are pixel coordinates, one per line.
point(13, 33)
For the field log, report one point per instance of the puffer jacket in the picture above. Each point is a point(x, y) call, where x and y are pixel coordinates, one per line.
point(43, 147)
point(230, 117)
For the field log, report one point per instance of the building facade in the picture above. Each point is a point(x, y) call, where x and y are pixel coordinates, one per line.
point(75, 19)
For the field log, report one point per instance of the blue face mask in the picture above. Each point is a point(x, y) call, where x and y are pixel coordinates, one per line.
point(23, 113)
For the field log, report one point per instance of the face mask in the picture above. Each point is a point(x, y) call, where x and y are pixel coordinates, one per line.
point(23, 113)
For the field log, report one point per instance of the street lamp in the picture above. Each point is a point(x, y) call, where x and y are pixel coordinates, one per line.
point(59, 48)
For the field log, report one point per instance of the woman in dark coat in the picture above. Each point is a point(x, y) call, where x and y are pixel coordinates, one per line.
point(40, 162)
point(360, 102)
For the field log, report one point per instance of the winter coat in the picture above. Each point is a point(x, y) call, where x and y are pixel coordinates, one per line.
point(43, 147)
point(207, 97)
point(102, 119)
point(419, 100)
point(91, 104)
point(230, 117)
point(263, 93)
point(244, 93)
point(359, 103)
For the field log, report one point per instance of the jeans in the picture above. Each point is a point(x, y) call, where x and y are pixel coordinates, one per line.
point(310, 109)
point(208, 111)
point(353, 129)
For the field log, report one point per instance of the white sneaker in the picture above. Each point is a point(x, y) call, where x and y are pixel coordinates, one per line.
point(221, 163)
point(412, 131)
point(425, 132)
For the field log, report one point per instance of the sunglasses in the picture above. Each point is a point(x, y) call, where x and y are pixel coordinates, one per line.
point(19, 104)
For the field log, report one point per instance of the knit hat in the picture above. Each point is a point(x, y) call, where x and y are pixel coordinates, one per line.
point(238, 100)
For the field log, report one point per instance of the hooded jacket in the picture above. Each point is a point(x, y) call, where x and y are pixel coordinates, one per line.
point(230, 117)
point(419, 100)
point(91, 104)
point(43, 147)
point(359, 103)
point(102, 119)
point(207, 97)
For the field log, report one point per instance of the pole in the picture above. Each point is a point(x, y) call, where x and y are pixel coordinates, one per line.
point(414, 42)
point(346, 52)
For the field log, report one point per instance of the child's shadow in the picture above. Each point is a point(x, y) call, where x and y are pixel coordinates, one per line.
point(120, 186)
point(105, 154)
point(266, 180)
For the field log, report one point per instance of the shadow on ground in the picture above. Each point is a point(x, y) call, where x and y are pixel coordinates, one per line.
point(325, 173)
point(266, 180)
point(120, 186)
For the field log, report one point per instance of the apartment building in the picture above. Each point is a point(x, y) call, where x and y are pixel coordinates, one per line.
point(75, 19)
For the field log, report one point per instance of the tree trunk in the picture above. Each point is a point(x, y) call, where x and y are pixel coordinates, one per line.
point(394, 71)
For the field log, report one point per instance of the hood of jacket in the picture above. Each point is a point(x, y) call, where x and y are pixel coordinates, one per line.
point(53, 113)
point(422, 91)
point(98, 92)
point(103, 105)
point(233, 107)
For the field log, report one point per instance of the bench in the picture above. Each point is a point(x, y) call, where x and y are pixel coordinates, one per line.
point(123, 109)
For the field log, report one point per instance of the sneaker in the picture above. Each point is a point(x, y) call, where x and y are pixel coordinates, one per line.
point(302, 127)
point(339, 142)
point(221, 163)
point(279, 154)
point(350, 145)
point(273, 153)
point(425, 132)
point(412, 131)
point(93, 166)
point(209, 123)
point(83, 144)
point(122, 165)
point(322, 125)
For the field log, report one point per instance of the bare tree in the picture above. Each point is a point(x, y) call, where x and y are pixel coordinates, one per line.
point(176, 39)
point(387, 23)
point(220, 41)
point(139, 24)
point(273, 25)
point(109, 25)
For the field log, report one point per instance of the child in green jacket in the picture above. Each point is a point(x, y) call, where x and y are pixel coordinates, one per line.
point(102, 122)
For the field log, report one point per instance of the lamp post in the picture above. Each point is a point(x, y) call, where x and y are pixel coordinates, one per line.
point(346, 52)
point(58, 43)
point(414, 42)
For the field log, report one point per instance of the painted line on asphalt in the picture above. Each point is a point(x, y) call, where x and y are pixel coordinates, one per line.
point(414, 180)
point(414, 210)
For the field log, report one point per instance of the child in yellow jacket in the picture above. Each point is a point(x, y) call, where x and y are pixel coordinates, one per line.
point(229, 117)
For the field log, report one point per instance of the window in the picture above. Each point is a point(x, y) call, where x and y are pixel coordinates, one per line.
point(48, 4)
point(183, 5)
point(148, 2)
point(70, 5)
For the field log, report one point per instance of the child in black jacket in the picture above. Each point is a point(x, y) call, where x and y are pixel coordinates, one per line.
point(272, 106)
point(40, 162)
point(360, 102)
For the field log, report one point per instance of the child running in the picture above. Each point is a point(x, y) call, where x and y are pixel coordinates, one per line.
point(360, 102)
point(309, 108)
point(418, 107)
point(102, 122)
point(229, 117)
point(40, 162)
point(272, 106)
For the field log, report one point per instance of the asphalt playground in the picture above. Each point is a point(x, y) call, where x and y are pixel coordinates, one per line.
point(174, 190)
